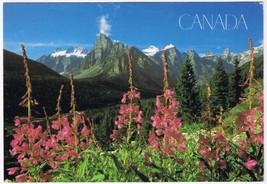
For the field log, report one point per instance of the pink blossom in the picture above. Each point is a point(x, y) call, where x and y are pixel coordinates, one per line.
point(158, 104)
point(260, 139)
point(181, 147)
point(152, 141)
point(12, 170)
point(166, 122)
point(138, 128)
point(17, 121)
point(85, 131)
point(159, 132)
point(21, 178)
point(202, 166)
point(129, 113)
point(114, 135)
point(260, 96)
point(250, 164)
point(83, 145)
point(123, 100)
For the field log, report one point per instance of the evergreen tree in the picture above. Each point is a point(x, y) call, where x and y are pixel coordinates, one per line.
point(219, 89)
point(235, 80)
point(187, 93)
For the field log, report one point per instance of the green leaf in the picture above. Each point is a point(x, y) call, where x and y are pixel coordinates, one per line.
point(250, 150)
point(82, 168)
point(142, 176)
point(98, 177)
point(116, 162)
point(94, 153)
point(155, 170)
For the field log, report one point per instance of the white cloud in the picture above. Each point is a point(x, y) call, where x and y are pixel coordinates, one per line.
point(104, 26)
point(44, 44)
point(40, 44)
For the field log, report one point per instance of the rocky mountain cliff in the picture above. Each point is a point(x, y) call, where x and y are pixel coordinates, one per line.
point(63, 61)
point(109, 60)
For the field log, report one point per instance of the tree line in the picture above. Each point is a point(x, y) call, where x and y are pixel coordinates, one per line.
point(221, 92)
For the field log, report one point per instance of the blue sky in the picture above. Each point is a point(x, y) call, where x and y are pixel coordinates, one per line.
point(44, 27)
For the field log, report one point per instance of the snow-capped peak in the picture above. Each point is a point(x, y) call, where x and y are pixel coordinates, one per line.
point(115, 41)
point(227, 52)
point(70, 52)
point(168, 46)
point(151, 50)
point(207, 54)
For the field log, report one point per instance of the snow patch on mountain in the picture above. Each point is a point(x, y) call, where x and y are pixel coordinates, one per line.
point(168, 46)
point(150, 51)
point(71, 52)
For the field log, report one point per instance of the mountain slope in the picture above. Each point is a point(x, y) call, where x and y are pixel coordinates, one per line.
point(13, 67)
point(89, 93)
point(63, 61)
point(174, 60)
point(45, 85)
point(108, 60)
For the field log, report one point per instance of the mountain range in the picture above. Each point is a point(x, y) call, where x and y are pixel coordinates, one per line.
point(108, 59)
point(63, 61)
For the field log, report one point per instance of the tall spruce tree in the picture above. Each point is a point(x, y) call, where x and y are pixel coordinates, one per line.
point(235, 80)
point(219, 89)
point(187, 93)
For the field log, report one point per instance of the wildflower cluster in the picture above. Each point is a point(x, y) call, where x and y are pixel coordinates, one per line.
point(39, 147)
point(250, 127)
point(129, 113)
point(214, 150)
point(28, 146)
point(167, 137)
point(35, 146)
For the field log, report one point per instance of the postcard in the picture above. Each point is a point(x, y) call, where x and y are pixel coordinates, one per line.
point(133, 91)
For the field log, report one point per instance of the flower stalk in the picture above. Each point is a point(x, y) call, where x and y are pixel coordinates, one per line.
point(73, 110)
point(250, 73)
point(58, 108)
point(129, 112)
point(27, 98)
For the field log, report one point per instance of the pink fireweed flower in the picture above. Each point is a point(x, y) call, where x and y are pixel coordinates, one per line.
point(250, 164)
point(85, 131)
point(129, 116)
point(153, 142)
point(21, 178)
point(57, 124)
point(213, 148)
point(167, 137)
point(12, 170)
point(202, 166)
point(17, 121)
point(250, 125)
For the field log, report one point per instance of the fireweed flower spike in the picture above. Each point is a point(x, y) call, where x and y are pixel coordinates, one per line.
point(73, 106)
point(167, 137)
point(36, 147)
point(250, 125)
point(27, 100)
point(58, 108)
point(250, 73)
point(129, 113)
